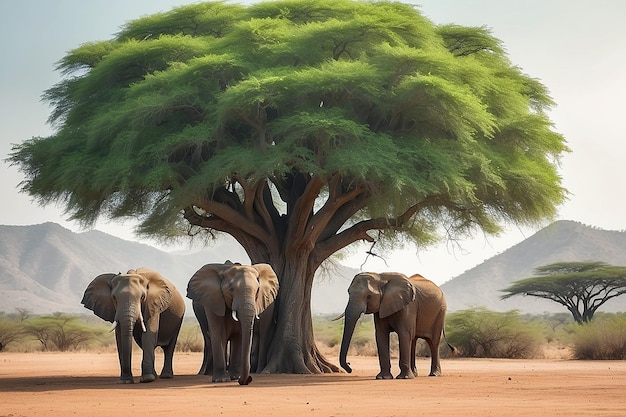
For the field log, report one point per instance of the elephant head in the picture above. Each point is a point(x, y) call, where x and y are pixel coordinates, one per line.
point(384, 294)
point(237, 290)
point(127, 300)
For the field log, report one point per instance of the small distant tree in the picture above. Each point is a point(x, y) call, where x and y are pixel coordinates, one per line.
point(582, 287)
point(11, 330)
point(61, 332)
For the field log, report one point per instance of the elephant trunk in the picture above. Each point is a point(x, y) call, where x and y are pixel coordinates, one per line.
point(126, 318)
point(352, 315)
point(246, 315)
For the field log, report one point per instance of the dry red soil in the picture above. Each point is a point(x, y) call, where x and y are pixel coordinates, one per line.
point(85, 384)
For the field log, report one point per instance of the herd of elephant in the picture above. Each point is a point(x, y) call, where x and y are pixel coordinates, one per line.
point(234, 305)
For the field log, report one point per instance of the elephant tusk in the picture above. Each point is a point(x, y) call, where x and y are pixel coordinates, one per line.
point(339, 317)
point(234, 315)
point(143, 325)
point(113, 326)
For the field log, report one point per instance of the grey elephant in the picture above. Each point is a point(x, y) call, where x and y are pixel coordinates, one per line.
point(140, 304)
point(412, 307)
point(226, 300)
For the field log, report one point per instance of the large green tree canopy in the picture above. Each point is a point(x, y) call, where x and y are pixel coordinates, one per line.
point(298, 128)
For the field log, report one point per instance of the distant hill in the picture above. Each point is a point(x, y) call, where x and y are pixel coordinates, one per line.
point(562, 241)
point(45, 268)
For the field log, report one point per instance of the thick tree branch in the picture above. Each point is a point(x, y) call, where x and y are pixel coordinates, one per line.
point(335, 201)
point(248, 199)
point(236, 219)
point(359, 231)
point(298, 218)
point(342, 215)
point(260, 206)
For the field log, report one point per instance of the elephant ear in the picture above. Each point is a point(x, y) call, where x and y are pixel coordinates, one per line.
point(268, 286)
point(397, 293)
point(97, 297)
point(205, 287)
point(160, 291)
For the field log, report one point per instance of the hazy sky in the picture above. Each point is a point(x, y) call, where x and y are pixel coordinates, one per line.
point(576, 48)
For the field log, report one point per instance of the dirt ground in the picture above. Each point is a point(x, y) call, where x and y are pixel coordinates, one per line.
point(85, 384)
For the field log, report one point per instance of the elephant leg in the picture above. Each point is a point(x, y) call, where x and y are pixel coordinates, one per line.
point(413, 354)
point(149, 341)
point(234, 365)
point(435, 363)
point(168, 353)
point(382, 344)
point(207, 356)
point(265, 330)
point(405, 341)
point(207, 359)
point(219, 341)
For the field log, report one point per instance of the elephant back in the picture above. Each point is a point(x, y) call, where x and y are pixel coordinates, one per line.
point(427, 292)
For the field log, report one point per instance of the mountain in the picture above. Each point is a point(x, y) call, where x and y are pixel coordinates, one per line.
point(562, 241)
point(45, 268)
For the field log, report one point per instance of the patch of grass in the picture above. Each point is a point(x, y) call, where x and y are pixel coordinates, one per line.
point(190, 337)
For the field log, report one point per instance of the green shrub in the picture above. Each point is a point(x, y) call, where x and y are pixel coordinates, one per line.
point(602, 338)
point(63, 332)
point(482, 333)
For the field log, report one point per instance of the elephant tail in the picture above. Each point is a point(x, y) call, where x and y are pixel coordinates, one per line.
point(453, 350)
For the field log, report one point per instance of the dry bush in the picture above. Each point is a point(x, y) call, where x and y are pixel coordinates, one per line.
point(603, 338)
point(190, 338)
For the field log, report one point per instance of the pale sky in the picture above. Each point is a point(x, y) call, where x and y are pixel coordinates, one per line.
point(576, 48)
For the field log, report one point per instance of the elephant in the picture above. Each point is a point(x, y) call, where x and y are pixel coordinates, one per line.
point(412, 307)
point(226, 300)
point(144, 304)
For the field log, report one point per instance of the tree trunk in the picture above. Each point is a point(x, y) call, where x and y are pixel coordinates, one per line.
point(293, 349)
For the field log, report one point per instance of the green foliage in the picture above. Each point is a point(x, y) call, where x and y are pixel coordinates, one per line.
point(182, 103)
point(62, 332)
point(581, 287)
point(604, 338)
point(483, 333)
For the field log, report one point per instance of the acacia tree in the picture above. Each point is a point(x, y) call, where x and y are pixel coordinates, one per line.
point(61, 332)
point(582, 287)
point(11, 330)
point(298, 128)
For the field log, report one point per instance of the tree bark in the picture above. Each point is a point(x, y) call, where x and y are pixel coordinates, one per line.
point(293, 348)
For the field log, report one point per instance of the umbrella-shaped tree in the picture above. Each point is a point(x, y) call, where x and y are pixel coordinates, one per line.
point(298, 128)
point(581, 287)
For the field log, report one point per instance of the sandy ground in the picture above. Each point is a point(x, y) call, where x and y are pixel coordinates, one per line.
point(85, 384)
